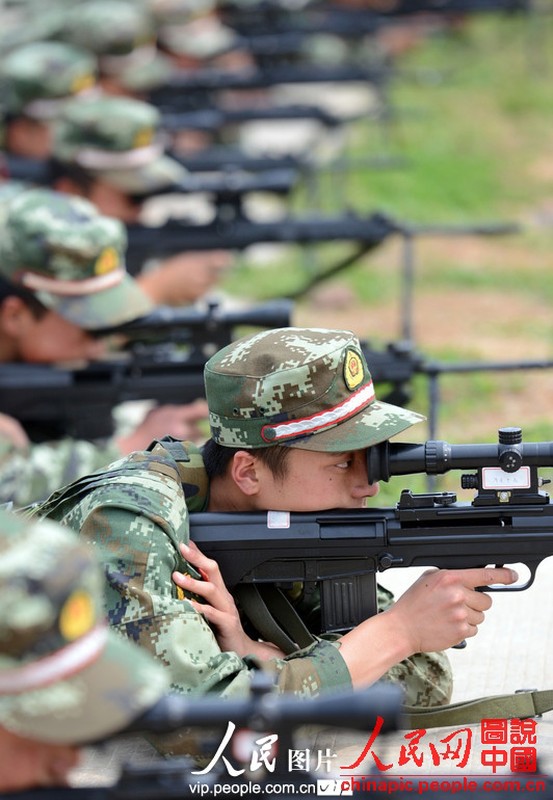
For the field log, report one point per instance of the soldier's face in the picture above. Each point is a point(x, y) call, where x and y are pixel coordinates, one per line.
point(51, 338)
point(26, 764)
point(317, 481)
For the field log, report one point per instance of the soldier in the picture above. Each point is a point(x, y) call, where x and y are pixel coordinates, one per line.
point(62, 275)
point(37, 79)
point(122, 34)
point(66, 680)
point(292, 412)
point(111, 151)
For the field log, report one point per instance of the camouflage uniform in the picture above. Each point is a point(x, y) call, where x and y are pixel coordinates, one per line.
point(72, 260)
point(65, 677)
point(305, 388)
point(29, 474)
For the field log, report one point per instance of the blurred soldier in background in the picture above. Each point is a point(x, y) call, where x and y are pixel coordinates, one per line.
point(111, 150)
point(36, 80)
point(65, 679)
point(123, 37)
point(39, 78)
point(62, 275)
point(193, 35)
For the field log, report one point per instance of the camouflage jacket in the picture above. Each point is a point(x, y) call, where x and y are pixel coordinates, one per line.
point(136, 513)
point(29, 475)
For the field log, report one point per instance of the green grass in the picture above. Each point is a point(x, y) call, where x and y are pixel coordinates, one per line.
point(473, 130)
point(470, 143)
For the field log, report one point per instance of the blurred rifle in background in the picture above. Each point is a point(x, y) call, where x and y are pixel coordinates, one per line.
point(162, 359)
point(321, 17)
point(263, 713)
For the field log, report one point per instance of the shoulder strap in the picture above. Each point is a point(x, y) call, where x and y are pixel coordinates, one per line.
point(520, 705)
point(273, 616)
point(175, 447)
point(276, 619)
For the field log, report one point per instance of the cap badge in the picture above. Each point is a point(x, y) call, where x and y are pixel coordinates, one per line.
point(354, 373)
point(77, 616)
point(143, 138)
point(82, 82)
point(107, 261)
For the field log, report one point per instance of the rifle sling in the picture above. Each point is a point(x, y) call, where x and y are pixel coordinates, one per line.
point(519, 705)
point(274, 616)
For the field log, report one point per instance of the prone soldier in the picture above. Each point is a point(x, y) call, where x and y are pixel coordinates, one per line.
point(292, 413)
point(66, 680)
point(62, 276)
point(111, 151)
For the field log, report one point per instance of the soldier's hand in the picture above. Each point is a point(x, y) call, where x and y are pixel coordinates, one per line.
point(12, 433)
point(181, 421)
point(438, 611)
point(443, 607)
point(185, 278)
point(219, 607)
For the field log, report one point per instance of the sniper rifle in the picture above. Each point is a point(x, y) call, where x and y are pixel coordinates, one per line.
point(340, 20)
point(378, 707)
point(183, 90)
point(212, 119)
point(232, 229)
point(509, 521)
point(264, 711)
point(277, 177)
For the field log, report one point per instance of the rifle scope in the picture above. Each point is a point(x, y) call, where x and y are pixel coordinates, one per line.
point(265, 710)
point(435, 457)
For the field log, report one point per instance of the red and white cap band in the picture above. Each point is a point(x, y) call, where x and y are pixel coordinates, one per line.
point(94, 158)
point(42, 283)
point(56, 667)
point(323, 420)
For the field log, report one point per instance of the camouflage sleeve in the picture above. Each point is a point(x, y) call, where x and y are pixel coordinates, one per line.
point(29, 475)
point(139, 558)
point(426, 678)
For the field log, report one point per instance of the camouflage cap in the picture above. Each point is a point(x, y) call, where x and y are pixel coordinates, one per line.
point(122, 34)
point(200, 39)
point(169, 12)
point(304, 387)
point(109, 27)
point(70, 257)
point(64, 676)
point(37, 78)
point(118, 140)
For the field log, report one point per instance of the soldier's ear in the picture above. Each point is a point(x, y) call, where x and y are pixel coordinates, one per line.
point(244, 472)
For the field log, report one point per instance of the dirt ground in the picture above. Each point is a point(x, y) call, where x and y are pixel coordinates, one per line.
point(489, 324)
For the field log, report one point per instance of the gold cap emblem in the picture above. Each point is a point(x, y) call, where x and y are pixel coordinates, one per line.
point(82, 82)
point(354, 373)
point(143, 137)
point(107, 261)
point(77, 616)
